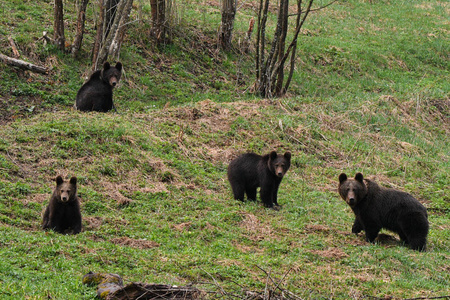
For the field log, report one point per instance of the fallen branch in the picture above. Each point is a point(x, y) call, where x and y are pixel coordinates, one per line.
point(110, 287)
point(144, 291)
point(22, 64)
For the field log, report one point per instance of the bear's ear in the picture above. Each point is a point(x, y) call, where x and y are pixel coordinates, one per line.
point(342, 178)
point(273, 155)
point(359, 177)
point(106, 66)
point(73, 180)
point(59, 180)
point(119, 66)
point(287, 155)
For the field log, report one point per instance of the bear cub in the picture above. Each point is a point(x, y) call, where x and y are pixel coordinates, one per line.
point(249, 171)
point(377, 207)
point(63, 211)
point(97, 93)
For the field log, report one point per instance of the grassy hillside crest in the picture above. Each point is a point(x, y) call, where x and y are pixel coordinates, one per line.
point(370, 94)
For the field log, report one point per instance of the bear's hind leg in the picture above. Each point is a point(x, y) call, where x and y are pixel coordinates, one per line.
point(371, 234)
point(418, 243)
point(46, 221)
point(415, 227)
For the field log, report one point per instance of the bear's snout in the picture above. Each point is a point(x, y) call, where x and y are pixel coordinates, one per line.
point(113, 81)
point(65, 196)
point(279, 172)
point(351, 201)
point(351, 198)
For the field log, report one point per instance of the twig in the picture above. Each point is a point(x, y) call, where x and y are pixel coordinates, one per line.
point(14, 48)
point(215, 282)
point(315, 9)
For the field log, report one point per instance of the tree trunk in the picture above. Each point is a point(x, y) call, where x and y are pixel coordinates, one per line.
point(270, 71)
point(283, 21)
point(261, 42)
point(158, 8)
point(58, 26)
point(226, 28)
point(122, 12)
point(109, 15)
point(120, 33)
point(99, 34)
point(80, 27)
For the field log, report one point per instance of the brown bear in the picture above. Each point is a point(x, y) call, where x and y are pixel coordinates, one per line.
point(63, 211)
point(249, 171)
point(97, 93)
point(377, 207)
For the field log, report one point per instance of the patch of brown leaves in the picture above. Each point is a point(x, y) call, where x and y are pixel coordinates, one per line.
point(140, 244)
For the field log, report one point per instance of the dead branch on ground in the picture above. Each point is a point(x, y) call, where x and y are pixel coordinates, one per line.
point(22, 64)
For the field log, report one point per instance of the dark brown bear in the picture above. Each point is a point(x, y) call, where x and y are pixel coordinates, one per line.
point(376, 207)
point(63, 212)
point(97, 93)
point(250, 171)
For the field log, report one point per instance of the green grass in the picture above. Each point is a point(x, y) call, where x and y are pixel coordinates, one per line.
point(370, 94)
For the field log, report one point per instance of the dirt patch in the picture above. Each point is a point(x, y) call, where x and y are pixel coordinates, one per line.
point(315, 227)
point(92, 223)
point(182, 226)
point(256, 230)
point(37, 198)
point(113, 190)
point(140, 244)
point(333, 253)
point(324, 229)
point(357, 240)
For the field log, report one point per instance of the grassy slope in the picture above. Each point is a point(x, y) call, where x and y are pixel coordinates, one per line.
point(370, 94)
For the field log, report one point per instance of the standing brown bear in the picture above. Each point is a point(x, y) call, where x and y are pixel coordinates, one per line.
point(249, 171)
point(376, 207)
point(97, 93)
point(63, 212)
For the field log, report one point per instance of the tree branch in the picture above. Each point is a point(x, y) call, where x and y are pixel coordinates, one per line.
point(22, 64)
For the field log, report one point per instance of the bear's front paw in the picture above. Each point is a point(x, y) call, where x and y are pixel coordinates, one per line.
point(356, 229)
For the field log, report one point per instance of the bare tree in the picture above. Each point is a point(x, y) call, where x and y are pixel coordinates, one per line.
point(110, 37)
point(58, 25)
point(270, 65)
point(158, 8)
point(80, 27)
point(226, 27)
point(109, 15)
point(99, 34)
point(116, 44)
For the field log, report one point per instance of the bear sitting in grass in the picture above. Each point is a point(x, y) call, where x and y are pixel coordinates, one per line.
point(376, 207)
point(63, 211)
point(97, 93)
point(249, 171)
